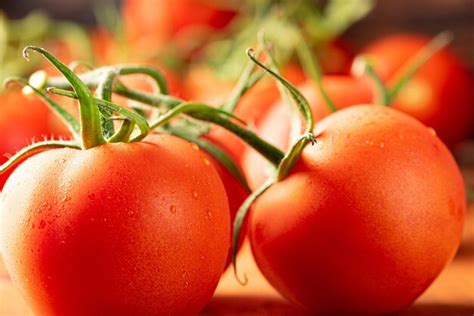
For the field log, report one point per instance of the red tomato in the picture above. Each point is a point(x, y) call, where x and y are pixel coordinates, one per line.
point(440, 95)
point(118, 229)
point(151, 24)
point(236, 195)
point(275, 125)
point(335, 57)
point(366, 220)
point(22, 120)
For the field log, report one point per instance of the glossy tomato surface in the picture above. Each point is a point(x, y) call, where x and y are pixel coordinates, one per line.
point(275, 126)
point(119, 229)
point(366, 220)
point(441, 93)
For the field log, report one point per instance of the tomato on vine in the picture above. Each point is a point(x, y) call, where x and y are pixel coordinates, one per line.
point(440, 94)
point(108, 223)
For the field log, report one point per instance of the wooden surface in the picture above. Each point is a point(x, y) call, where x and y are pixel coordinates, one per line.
point(452, 294)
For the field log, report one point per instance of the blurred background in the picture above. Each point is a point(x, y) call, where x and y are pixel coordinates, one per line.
point(389, 16)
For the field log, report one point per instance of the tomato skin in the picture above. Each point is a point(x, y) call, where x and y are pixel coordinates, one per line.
point(335, 57)
point(235, 191)
point(366, 220)
point(275, 125)
point(119, 229)
point(236, 195)
point(22, 120)
point(440, 94)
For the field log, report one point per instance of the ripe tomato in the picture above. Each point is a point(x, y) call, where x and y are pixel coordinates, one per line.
point(366, 220)
point(118, 229)
point(236, 195)
point(22, 120)
point(275, 125)
point(335, 57)
point(440, 94)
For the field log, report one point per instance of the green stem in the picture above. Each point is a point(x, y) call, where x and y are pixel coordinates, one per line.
point(416, 62)
point(124, 133)
point(34, 148)
point(300, 100)
point(312, 68)
point(239, 220)
point(293, 155)
point(245, 81)
point(209, 114)
point(104, 92)
point(91, 131)
point(363, 65)
point(139, 120)
point(215, 151)
point(153, 100)
point(92, 78)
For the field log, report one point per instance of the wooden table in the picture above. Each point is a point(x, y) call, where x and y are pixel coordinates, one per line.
point(452, 294)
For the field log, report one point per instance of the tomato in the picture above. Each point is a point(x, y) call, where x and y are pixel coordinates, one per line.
point(152, 24)
point(275, 125)
point(117, 229)
point(335, 57)
point(366, 220)
point(236, 195)
point(440, 94)
point(22, 120)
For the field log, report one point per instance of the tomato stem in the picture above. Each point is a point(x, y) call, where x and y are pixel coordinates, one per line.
point(215, 151)
point(238, 222)
point(139, 120)
point(104, 92)
point(245, 82)
point(363, 65)
point(413, 64)
point(124, 133)
point(34, 148)
point(300, 101)
point(91, 131)
point(313, 70)
point(216, 116)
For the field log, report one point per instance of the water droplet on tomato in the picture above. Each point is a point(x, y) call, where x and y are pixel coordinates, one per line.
point(173, 209)
point(209, 214)
point(194, 146)
point(206, 162)
point(382, 145)
point(195, 195)
point(431, 131)
point(66, 198)
point(42, 224)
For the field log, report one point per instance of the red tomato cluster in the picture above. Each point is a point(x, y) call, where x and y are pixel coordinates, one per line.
point(141, 222)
